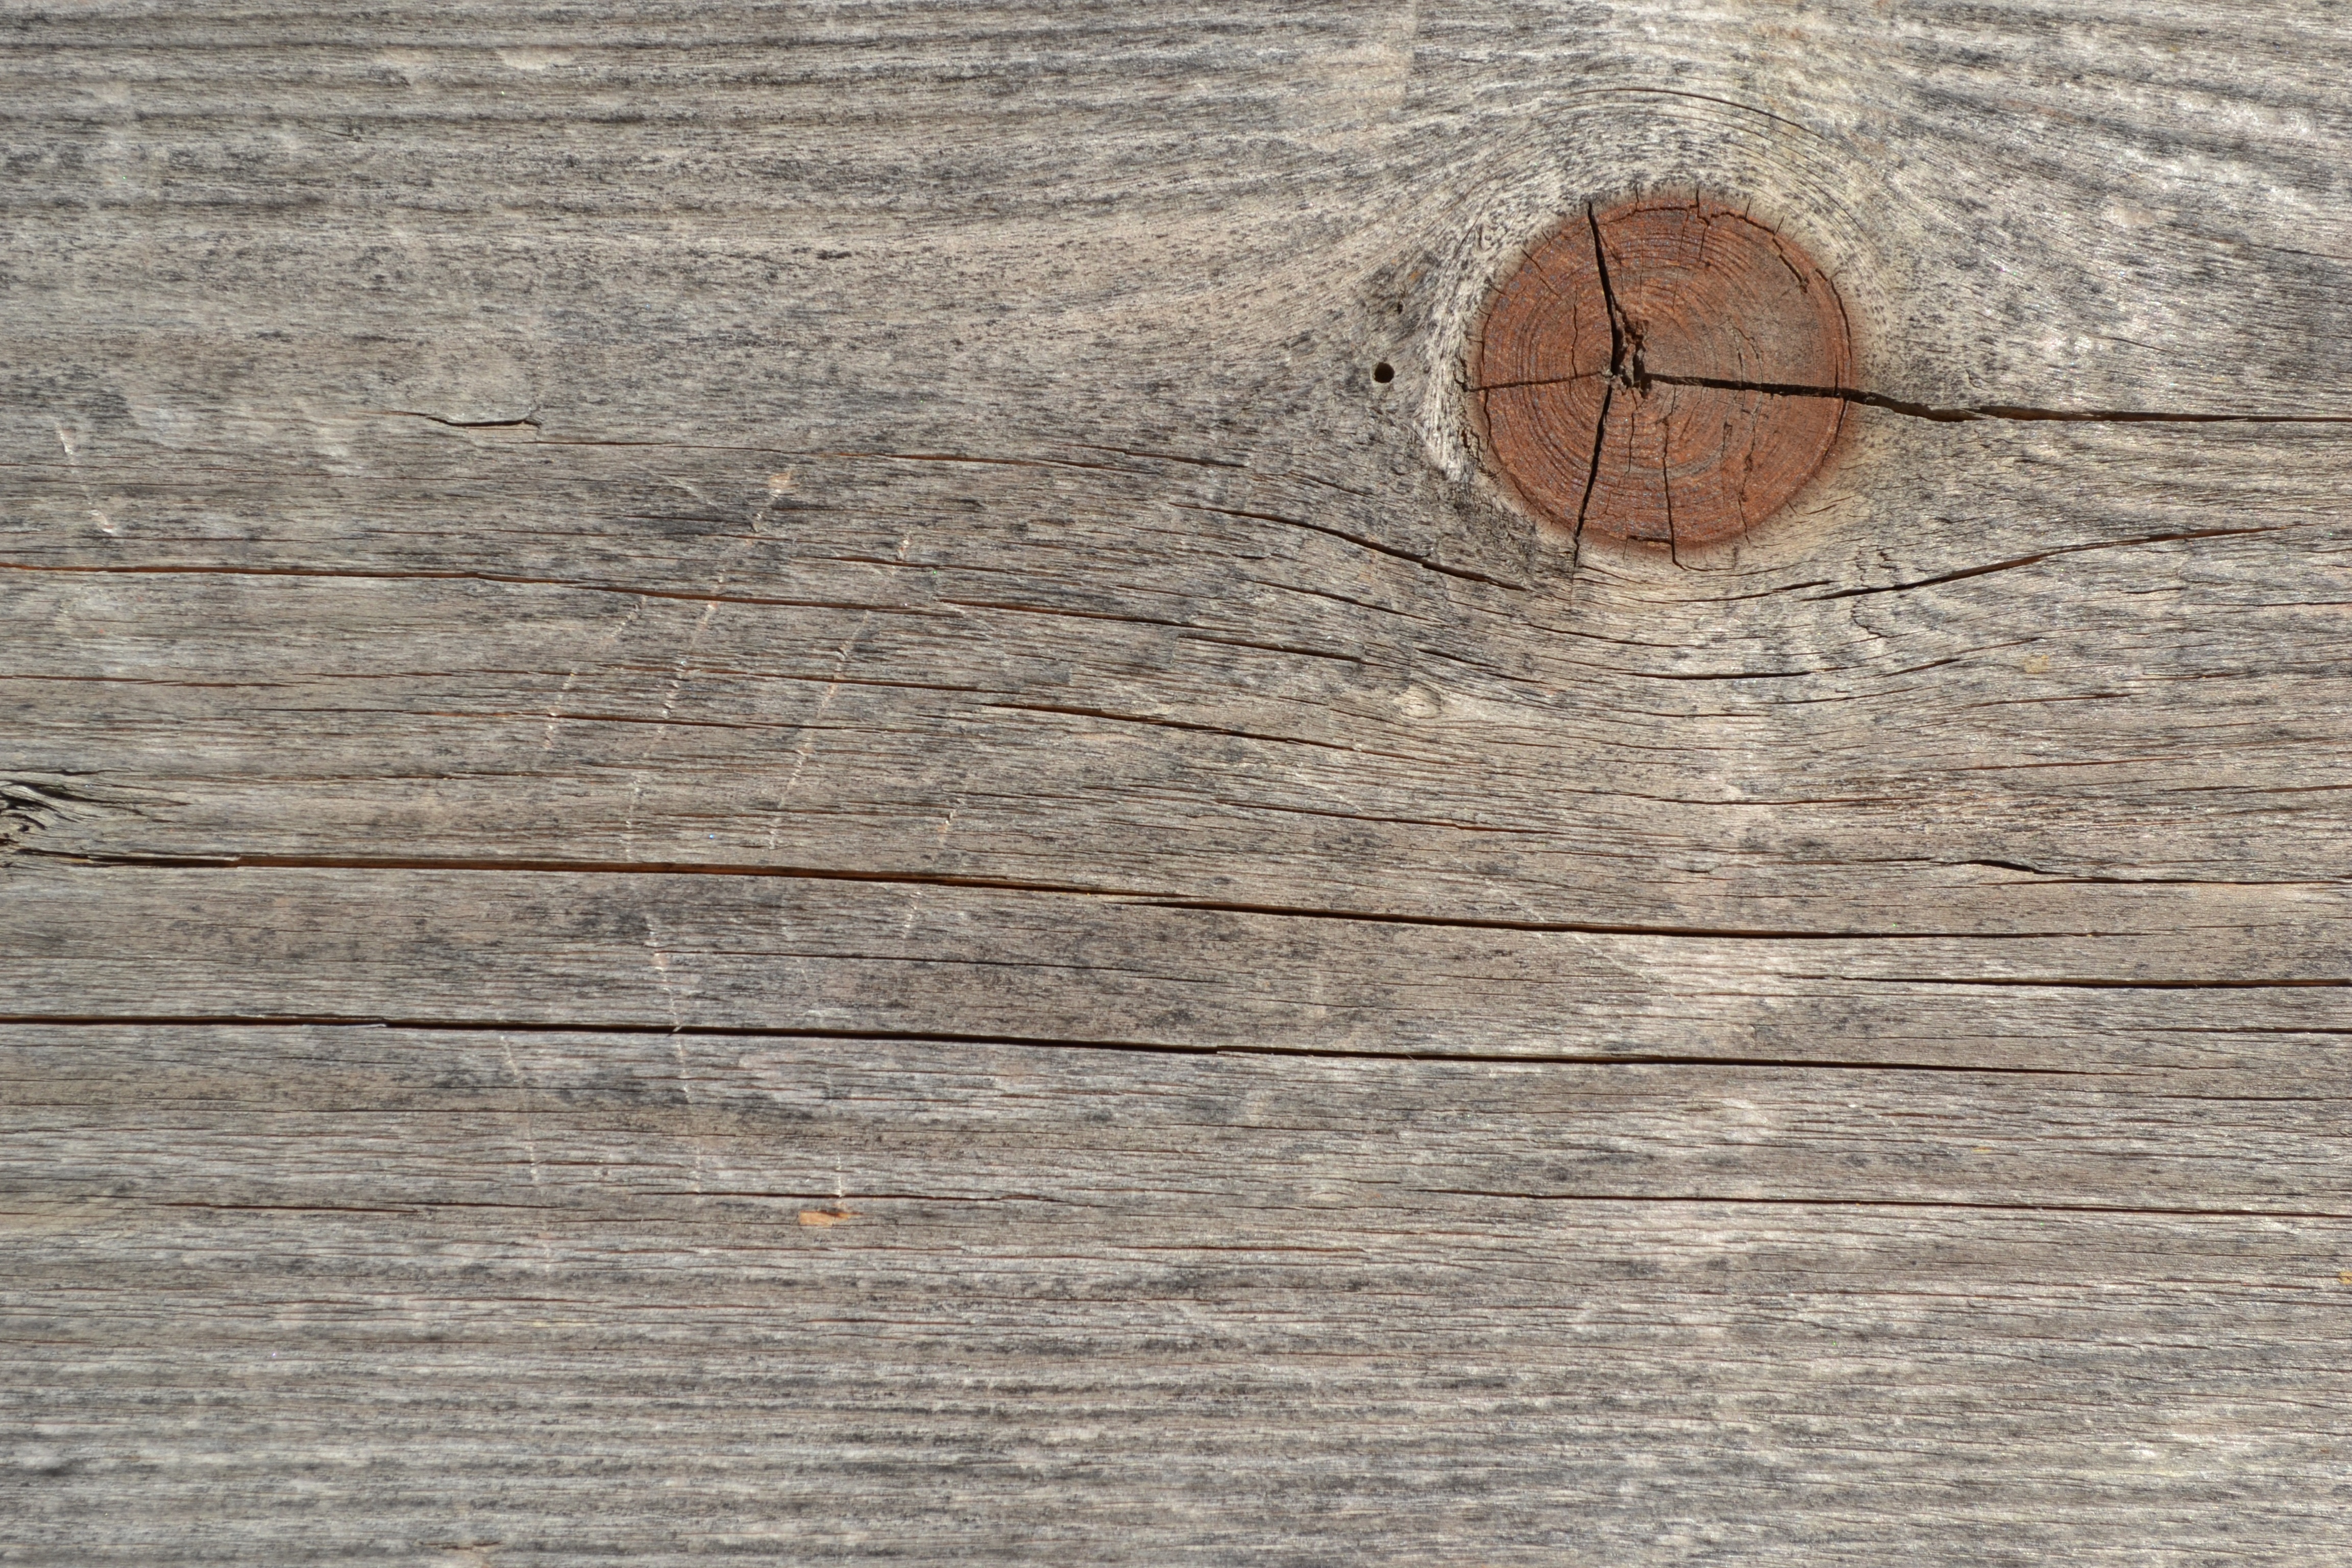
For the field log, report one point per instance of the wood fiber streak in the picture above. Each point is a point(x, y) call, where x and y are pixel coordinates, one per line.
point(756, 802)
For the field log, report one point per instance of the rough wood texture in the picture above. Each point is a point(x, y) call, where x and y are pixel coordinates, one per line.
point(756, 803)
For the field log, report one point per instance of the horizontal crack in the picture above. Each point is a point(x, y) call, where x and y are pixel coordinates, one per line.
point(1159, 722)
point(1423, 562)
point(1641, 380)
point(530, 420)
point(1601, 928)
point(1045, 1042)
point(234, 862)
point(1994, 410)
point(1131, 897)
point(2038, 557)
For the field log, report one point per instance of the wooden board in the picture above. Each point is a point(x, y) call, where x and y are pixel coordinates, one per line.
point(754, 802)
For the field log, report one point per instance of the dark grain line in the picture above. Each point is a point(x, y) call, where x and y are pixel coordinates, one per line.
point(1696, 1198)
point(354, 574)
point(1041, 1042)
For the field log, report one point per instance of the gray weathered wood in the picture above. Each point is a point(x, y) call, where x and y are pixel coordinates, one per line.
point(670, 1295)
point(752, 801)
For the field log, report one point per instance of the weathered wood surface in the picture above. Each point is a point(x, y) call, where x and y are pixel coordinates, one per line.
point(755, 803)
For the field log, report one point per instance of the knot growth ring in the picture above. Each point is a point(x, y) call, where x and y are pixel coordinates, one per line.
point(1668, 371)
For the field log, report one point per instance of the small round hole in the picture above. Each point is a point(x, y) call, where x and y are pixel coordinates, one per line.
point(1384, 373)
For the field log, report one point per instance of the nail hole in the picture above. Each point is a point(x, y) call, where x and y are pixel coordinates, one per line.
point(1384, 373)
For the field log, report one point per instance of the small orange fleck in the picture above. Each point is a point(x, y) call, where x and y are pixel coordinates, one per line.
point(2344, 1277)
point(827, 1216)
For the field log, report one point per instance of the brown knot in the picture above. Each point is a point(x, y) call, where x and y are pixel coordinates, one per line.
point(1666, 371)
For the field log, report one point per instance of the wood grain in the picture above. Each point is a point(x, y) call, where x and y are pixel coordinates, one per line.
point(754, 801)
point(682, 1296)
